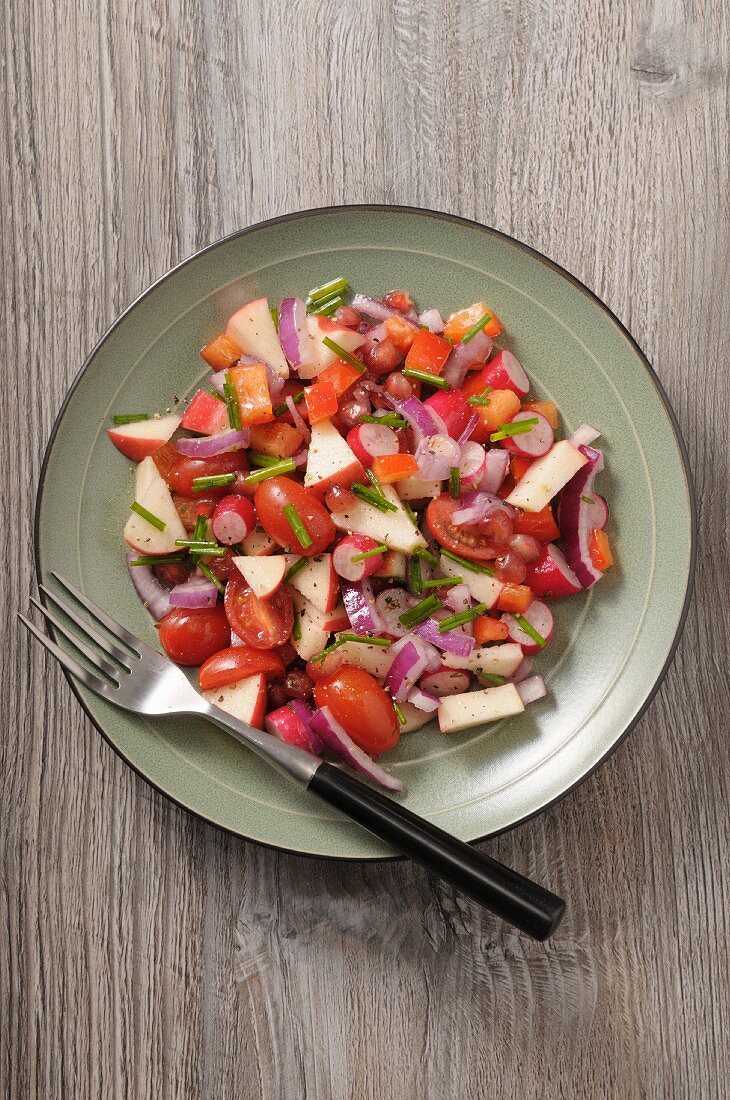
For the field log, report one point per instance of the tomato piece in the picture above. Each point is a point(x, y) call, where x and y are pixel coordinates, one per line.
point(222, 352)
point(600, 549)
point(182, 474)
point(321, 401)
point(362, 707)
point(273, 495)
point(488, 630)
point(518, 466)
point(189, 508)
point(190, 635)
point(262, 624)
point(541, 525)
point(428, 352)
point(515, 598)
point(398, 299)
point(236, 663)
point(468, 540)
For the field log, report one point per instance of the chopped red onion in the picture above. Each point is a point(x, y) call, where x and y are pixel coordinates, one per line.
point(197, 592)
point(524, 669)
point(423, 419)
point(458, 598)
point(584, 435)
point(154, 596)
point(359, 600)
point(299, 422)
point(470, 426)
point(464, 356)
point(390, 604)
point(423, 700)
point(430, 654)
point(495, 470)
point(450, 641)
point(371, 307)
point(576, 516)
point(304, 713)
point(473, 462)
point(329, 730)
point(432, 320)
point(293, 328)
point(436, 455)
point(477, 506)
point(209, 445)
point(276, 381)
point(531, 689)
point(407, 665)
point(300, 458)
point(218, 380)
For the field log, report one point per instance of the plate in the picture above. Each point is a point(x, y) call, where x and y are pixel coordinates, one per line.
point(611, 646)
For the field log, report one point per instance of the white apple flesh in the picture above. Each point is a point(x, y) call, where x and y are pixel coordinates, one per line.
point(546, 477)
point(317, 581)
point(317, 355)
point(482, 587)
point(495, 660)
point(313, 635)
point(144, 437)
point(252, 328)
point(330, 460)
point(245, 700)
point(395, 529)
point(263, 575)
point(152, 493)
point(459, 712)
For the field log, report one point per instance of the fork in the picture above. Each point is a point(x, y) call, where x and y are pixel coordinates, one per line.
point(141, 680)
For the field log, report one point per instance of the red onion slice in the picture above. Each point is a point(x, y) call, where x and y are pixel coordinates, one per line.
point(422, 419)
point(359, 600)
point(495, 469)
point(329, 730)
point(423, 700)
point(531, 689)
point(432, 320)
point(209, 445)
point(465, 356)
point(436, 455)
point(450, 641)
point(575, 518)
point(300, 458)
point(299, 422)
point(197, 592)
point(407, 665)
point(371, 307)
point(470, 426)
point(292, 328)
point(304, 713)
point(154, 596)
point(584, 435)
point(477, 506)
point(473, 462)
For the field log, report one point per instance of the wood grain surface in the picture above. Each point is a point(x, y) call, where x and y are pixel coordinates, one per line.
point(143, 954)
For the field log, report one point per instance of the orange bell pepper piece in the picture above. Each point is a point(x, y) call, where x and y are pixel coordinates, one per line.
point(541, 525)
point(515, 598)
point(252, 391)
point(487, 629)
point(401, 332)
point(279, 440)
point(600, 550)
point(390, 468)
point(321, 401)
point(221, 353)
point(548, 409)
point(459, 323)
point(340, 375)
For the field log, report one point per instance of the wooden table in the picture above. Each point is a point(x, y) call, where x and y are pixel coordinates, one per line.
point(145, 954)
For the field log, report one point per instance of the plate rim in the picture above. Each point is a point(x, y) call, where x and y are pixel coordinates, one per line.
point(467, 223)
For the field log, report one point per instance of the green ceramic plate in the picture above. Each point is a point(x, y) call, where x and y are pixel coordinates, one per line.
point(611, 647)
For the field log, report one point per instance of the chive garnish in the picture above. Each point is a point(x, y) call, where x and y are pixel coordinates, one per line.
point(296, 630)
point(274, 316)
point(198, 544)
point(210, 575)
point(366, 639)
point(154, 520)
point(262, 461)
point(369, 496)
point(455, 482)
point(399, 713)
point(515, 427)
point(296, 568)
point(420, 612)
point(424, 376)
point(480, 398)
point(377, 487)
point(155, 559)
point(526, 625)
point(201, 528)
point(369, 554)
point(231, 400)
point(286, 466)
point(415, 580)
point(327, 307)
point(328, 649)
point(213, 481)
point(344, 355)
point(493, 679)
point(297, 398)
point(391, 420)
point(442, 582)
point(465, 564)
point(410, 513)
point(295, 522)
point(422, 552)
point(326, 290)
point(129, 418)
point(588, 500)
point(476, 328)
point(462, 617)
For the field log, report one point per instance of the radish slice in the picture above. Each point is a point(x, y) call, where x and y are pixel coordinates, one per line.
point(390, 605)
point(233, 519)
point(197, 592)
point(210, 445)
point(452, 409)
point(535, 443)
point(445, 681)
point(473, 463)
point(524, 671)
point(368, 441)
point(423, 700)
point(350, 547)
point(450, 641)
point(326, 727)
point(584, 435)
point(598, 513)
point(575, 518)
point(551, 576)
point(154, 596)
point(540, 617)
point(288, 726)
point(531, 689)
point(359, 601)
point(408, 664)
point(436, 455)
point(496, 465)
point(505, 372)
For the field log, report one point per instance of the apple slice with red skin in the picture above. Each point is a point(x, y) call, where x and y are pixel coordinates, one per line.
point(252, 328)
point(264, 575)
point(143, 437)
point(152, 494)
point(330, 461)
point(246, 699)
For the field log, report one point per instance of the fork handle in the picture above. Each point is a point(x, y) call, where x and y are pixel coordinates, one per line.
point(529, 907)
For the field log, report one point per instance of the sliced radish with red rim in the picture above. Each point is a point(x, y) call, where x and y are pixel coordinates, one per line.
point(505, 372)
point(535, 443)
point(351, 547)
point(540, 618)
point(445, 681)
point(368, 441)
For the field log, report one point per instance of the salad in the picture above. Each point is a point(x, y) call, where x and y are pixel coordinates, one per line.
point(359, 521)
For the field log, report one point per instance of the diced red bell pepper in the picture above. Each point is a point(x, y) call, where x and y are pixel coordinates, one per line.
point(205, 414)
point(541, 525)
point(279, 440)
point(600, 549)
point(428, 352)
point(341, 376)
point(515, 598)
point(321, 401)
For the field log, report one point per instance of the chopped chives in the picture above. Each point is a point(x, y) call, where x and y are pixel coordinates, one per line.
point(424, 376)
point(201, 528)
point(420, 612)
point(588, 500)
point(296, 568)
point(366, 639)
point(377, 487)
point(391, 420)
point(369, 496)
point(455, 482)
point(369, 554)
point(493, 679)
point(274, 317)
point(295, 522)
point(466, 564)
point(415, 580)
point(210, 575)
point(328, 649)
point(297, 398)
point(462, 617)
point(480, 398)
point(286, 466)
point(326, 290)
point(515, 427)
point(442, 582)
point(257, 459)
point(399, 712)
point(327, 307)
point(296, 630)
point(197, 544)
point(344, 355)
point(231, 400)
point(526, 625)
point(155, 559)
point(130, 418)
point(154, 520)
point(213, 481)
point(410, 513)
point(422, 552)
point(476, 328)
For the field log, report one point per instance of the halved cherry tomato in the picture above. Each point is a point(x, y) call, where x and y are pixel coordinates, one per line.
point(221, 353)
point(515, 598)
point(600, 549)
point(182, 474)
point(541, 525)
point(468, 540)
point(488, 630)
point(398, 299)
point(273, 495)
point(362, 707)
point(428, 352)
point(236, 663)
point(262, 624)
point(190, 635)
point(189, 508)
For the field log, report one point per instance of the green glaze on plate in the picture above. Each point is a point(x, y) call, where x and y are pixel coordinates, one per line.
point(611, 647)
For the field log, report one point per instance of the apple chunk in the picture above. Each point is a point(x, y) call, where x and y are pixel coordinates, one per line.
point(317, 354)
point(245, 700)
point(253, 330)
point(262, 574)
point(546, 476)
point(471, 708)
point(482, 587)
point(395, 529)
point(142, 438)
point(317, 581)
point(313, 634)
point(330, 460)
point(152, 493)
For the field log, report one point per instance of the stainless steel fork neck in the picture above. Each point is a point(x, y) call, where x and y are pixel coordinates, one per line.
point(292, 761)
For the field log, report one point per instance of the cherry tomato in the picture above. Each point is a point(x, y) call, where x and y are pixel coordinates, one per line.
point(398, 299)
point(262, 624)
point(272, 497)
point(190, 635)
point(185, 470)
point(189, 509)
point(236, 663)
point(469, 540)
point(362, 707)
